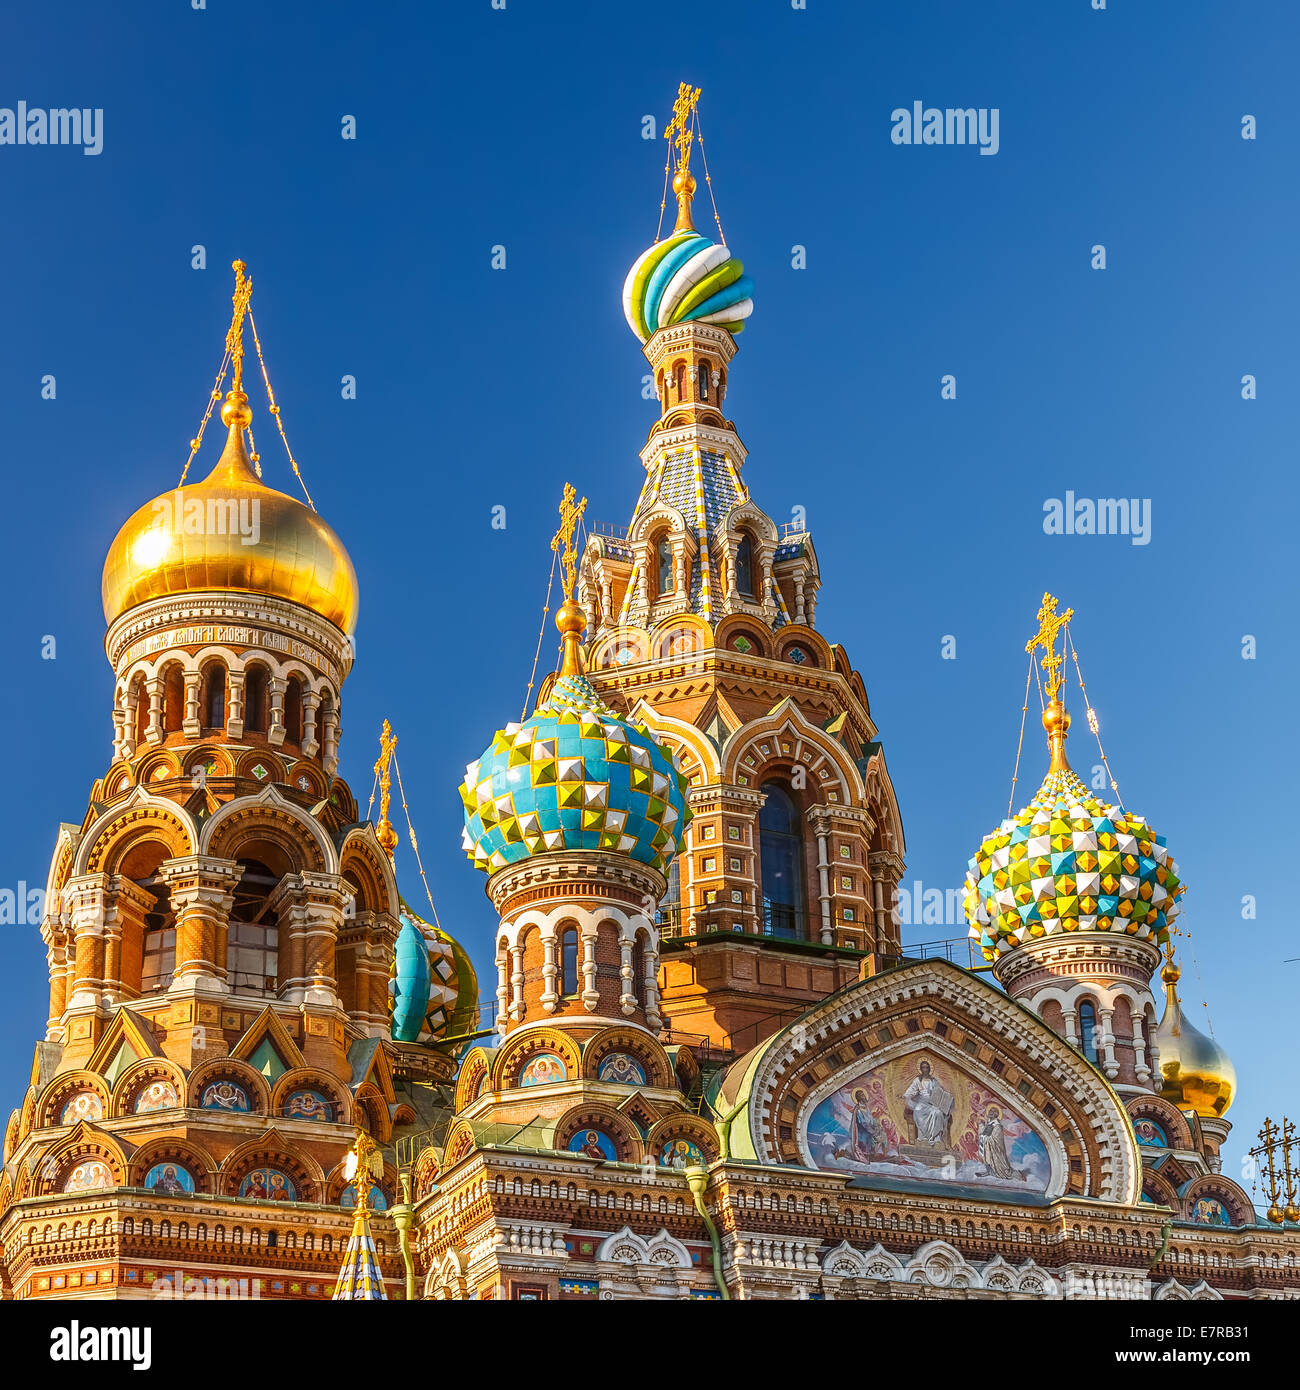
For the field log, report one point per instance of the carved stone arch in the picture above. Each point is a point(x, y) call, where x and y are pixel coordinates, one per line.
point(200, 1164)
point(273, 1150)
point(691, 746)
point(1033, 1279)
point(1167, 1115)
point(84, 1142)
point(788, 722)
point(65, 1088)
point(638, 1044)
point(475, 1073)
point(312, 1079)
point(159, 765)
point(269, 817)
point(371, 1106)
point(139, 817)
point(460, 1144)
point(232, 1069)
point(363, 862)
point(809, 640)
point(662, 516)
point(595, 1115)
point(609, 646)
point(447, 1279)
point(523, 1044)
point(1216, 1187)
point(1172, 1292)
point(753, 627)
point(624, 1247)
point(924, 1007)
point(881, 799)
point(142, 1073)
point(223, 764)
point(61, 862)
point(941, 1266)
point(750, 515)
point(667, 1251)
point(680, 637)
point(27, 1115)
point(999, 1275)
point(1156, 1185)
point(683, 1125)
point(11, 1138)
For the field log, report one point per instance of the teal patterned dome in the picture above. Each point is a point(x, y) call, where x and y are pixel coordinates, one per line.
point(574, 776)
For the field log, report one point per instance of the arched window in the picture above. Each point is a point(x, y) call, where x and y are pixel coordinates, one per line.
point(253, 939)
point(173, 698)
point(704, 381)
point(1088, 1030)
point(158, 953)
point(668, 918)
point(680, 374)
point(293, 711)
point(780, 830)
point(664, 556)
point(213, 702)
point(569, 960)
point(255, 700)
point(745, 566)
point(638, 969)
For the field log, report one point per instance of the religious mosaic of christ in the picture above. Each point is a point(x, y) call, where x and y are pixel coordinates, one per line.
point(918, 1117)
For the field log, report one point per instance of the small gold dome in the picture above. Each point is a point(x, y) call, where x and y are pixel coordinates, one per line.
point(1197, 1074)
point(231, 531)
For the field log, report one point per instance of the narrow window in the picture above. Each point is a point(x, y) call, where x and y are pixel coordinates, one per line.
point(214, 696)
point(745, 566)
point(569, 960)
point(781, 855)
point(293, 711)
point(1088, 1030)
point(638, 970)
point(255, 700)
point(704, 381)
point(664, 551)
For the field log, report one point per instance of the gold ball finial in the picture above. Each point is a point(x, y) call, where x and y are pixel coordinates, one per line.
point(236, 410)
point(571, 619)
point(684, 182)
point(1171, 974)
point(1056, 718)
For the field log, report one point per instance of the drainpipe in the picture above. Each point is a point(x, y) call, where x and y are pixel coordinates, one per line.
point(698, 1180)
point(403, 1216)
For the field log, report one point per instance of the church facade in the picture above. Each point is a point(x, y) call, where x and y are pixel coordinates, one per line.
point(708, 1067)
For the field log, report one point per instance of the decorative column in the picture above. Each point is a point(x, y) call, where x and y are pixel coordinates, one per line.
point(517, 980)
point(86, 904)
point(235, 694)
point(503, 978)
point(119, 731)
point(154, 688)
point(1070, 1020)
point(190, 725)
point(550, 995)
point(798, 596)
point(590, 994)
point(309, 909)
point(886, 872)
point(1106, 1043)
point(652, 1015)
point(332, 728)
point(627, 997)
point(202, 894)
point(820, 824)
point(275, 728)
point(128, 905)
point(310, 708)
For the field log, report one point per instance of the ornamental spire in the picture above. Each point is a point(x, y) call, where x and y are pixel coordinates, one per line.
point(570, 620)
point(681, 131)
point(385, 833)
point(235, 410)
point(1055, 718)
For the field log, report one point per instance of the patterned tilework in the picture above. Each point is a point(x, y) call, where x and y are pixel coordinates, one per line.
point(359, 1279)
point(1070, 862)
point(574, 776)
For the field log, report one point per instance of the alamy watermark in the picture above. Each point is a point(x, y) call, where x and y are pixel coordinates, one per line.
point(59, 125)
point(210, 516)
point(950, 125)
point(1101, 516)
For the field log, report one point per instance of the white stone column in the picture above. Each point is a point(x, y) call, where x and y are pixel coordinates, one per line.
point(590, 994)
point(310, 708)
point(550, 996)
point(503, 980)
point(119, 731)
point(275, 728)
point(235, 695)
point(154, 687)
point(190, 725)
point(820, 829)
point(627, 996)
point(517, 982)
point(1070, 1018)
point(652, 1014)
point(1106, 1044)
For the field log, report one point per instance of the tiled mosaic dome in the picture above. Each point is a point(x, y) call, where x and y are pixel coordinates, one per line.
point(573, 776)
point(686, 277)
point(432, 987)
point(1069, 862)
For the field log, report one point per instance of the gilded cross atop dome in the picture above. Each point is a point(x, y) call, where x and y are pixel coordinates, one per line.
point(387, 836)
point(681, 129)
point(562, 541)
point(235, 336)
point(1050, 624)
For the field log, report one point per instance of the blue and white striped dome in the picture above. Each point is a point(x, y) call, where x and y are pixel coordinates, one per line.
point(687, 278)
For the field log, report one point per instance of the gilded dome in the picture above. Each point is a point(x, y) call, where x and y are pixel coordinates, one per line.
point(231, 532)
point(1069, 862)
point(1196, 1073)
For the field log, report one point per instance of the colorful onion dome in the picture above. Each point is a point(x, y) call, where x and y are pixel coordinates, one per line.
point(433, 990)
point(574, 776)
point(231, 532)
point(686, 278)
point(1069, 862)
point(1196, 1073)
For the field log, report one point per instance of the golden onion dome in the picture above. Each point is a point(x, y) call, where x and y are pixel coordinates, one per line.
point(1196, 1073)
point(231, 532)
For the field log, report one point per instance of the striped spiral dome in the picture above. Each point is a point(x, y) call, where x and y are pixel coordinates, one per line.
point(686, 278)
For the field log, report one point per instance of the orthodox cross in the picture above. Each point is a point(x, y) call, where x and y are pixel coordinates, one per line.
point(1049, 625)
point(235, 337)
point(570, 515)
point(681, 128)
point(386, 835)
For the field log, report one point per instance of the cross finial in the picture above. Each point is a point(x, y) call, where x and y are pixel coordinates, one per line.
point(385, 833)
point(681, 129)
point(235, 337)
point(562, 541)
point(1049, 625)
point(364, 1162)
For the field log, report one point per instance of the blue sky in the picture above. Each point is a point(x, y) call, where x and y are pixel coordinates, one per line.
point(478, 388)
